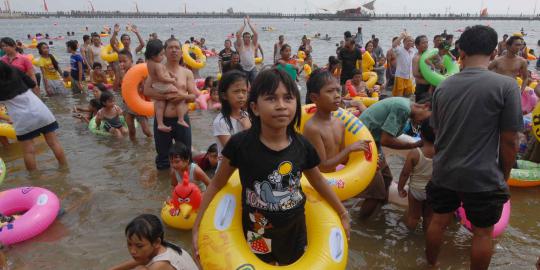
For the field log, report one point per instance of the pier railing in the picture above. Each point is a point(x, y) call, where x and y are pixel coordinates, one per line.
point(267, 15)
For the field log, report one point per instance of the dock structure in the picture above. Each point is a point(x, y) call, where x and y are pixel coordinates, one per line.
point(239, 15)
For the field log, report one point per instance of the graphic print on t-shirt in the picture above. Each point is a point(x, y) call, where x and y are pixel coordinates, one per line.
point(279, 192)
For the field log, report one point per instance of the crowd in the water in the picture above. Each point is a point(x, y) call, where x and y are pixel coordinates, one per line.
point(454, 104)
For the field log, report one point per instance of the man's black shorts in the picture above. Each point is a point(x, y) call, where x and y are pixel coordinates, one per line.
point(483, 209)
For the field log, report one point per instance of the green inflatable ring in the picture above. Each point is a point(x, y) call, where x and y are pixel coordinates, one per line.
point(433, 77)
point(2, 170)
point(101, 130)
point(525, 164)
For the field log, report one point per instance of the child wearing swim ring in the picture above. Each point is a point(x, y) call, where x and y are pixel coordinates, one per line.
point(163, 82)
point(179, 157)
point(271, 157)
point(149, 249)
point(233, 89)
point(110, 114)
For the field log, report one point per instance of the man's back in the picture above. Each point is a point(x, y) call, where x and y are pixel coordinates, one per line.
point(470, 109)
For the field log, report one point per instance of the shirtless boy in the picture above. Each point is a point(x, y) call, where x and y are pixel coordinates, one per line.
point(324, 131)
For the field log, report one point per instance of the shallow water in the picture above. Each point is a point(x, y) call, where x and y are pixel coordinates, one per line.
point(111, 181)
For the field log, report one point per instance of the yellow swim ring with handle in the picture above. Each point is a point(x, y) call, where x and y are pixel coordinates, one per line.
point(360, 168)
point(108, 54)
point(258, 60)
point(200, 60)
point(222, 244)
point(370, 78)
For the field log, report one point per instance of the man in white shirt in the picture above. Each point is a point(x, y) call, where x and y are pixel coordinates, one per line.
point(403, 84)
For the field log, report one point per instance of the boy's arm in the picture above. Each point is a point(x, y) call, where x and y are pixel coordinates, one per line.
point(410, 162)
point(318, 182)
point(201, 176)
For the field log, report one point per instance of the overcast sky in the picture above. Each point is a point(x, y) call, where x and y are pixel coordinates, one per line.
point(299, 6)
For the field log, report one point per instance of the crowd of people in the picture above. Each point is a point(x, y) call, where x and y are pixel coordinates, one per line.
point(469, 127)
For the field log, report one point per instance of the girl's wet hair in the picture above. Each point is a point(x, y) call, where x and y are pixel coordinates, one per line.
point(266, 83)
point(149, 227)
point(225, 83)
point(53, 59)
point(181, 150)
point(153, 48)
point(105, 96)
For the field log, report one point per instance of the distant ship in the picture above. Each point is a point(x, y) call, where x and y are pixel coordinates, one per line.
point(351, 9)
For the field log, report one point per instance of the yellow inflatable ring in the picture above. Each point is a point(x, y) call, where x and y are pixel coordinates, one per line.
point(103, 35)
point(367, 101)
point(367, 62)
point(200, 62)
point(7, 130)
point(370, 78)
point(360, 168)
point(532, 85)
point(536, 121)
point(108, 54)
point(222, 244)
point(258, 60)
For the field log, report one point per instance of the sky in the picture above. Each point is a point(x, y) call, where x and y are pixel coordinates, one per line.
point(288, 6)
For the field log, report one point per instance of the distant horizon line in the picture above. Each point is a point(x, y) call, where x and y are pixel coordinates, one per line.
point(269, 12)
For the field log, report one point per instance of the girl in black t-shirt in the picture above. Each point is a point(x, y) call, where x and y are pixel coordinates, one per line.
point(271, 157)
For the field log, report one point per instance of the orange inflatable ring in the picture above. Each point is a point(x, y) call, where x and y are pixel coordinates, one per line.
point(130, 91)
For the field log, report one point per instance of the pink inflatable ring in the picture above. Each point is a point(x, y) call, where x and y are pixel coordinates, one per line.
point(498, 228)
point(40, 208)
